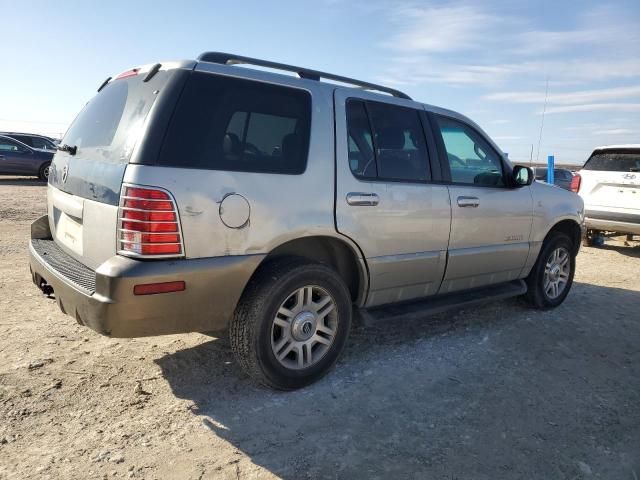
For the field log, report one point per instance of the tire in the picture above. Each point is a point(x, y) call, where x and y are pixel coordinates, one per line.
point(43, 173)
point(258, 328)
point(539, 297)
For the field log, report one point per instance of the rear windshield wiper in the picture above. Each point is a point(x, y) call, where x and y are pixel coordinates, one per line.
point(70, 149)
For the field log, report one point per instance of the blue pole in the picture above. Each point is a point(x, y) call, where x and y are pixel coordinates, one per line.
point(550, 165)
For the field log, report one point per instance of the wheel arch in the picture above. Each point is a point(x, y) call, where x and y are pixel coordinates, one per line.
point(570, 228)
point(337, 253)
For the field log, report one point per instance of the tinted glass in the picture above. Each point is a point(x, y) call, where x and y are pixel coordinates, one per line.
point(42, 143)
point(471, 159)
point(24, 139)
point(400, 147)
point(110, 124)
point(541, 173)
point(224, 123)
point(361, 157)
point(614, 162)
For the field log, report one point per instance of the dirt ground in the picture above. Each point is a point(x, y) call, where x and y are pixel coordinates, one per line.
point(496, 392)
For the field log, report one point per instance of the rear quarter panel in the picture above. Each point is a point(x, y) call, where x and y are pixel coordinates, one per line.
point(282, 207)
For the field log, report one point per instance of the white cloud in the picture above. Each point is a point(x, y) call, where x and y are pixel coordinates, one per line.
point(437, 41)
point(615, 131)
point(440, 28)
point(595, 107)
point(507, 137)
point(567, 98)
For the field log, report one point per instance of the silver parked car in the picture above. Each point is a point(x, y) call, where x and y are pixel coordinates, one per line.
point(205, 196)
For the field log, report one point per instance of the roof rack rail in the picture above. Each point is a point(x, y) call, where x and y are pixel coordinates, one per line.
point(231, 59)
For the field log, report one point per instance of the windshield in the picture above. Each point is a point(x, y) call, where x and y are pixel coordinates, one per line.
point(614, 162)
point(110, 124)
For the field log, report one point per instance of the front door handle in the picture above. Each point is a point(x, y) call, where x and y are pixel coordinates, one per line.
point(472, 202)
point(362, 199)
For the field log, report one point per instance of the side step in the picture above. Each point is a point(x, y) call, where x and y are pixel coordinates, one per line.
point(433, 305)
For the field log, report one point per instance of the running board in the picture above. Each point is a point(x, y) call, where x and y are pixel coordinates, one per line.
point(443, 303)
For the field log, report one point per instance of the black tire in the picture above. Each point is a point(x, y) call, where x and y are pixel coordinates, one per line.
point(536, 295)
point(250, 330)
point(43, 173)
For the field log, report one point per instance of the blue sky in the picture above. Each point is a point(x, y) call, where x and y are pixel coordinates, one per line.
point(489, 60)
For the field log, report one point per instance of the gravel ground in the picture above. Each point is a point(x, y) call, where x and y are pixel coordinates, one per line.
point(496, 392)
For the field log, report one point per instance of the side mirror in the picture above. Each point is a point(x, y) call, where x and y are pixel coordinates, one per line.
point(522, 176)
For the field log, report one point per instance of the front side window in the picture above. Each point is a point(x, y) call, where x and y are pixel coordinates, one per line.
point(396, 147)
point(231, 124)
point(9, 146)
point(471, 158)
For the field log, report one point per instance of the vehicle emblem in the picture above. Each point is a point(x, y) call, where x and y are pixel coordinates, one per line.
point(629, 176)
point(65, 172)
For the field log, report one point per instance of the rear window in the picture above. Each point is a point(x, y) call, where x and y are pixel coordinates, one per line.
point(110, 124)
point(223, 123)
point(614, 162)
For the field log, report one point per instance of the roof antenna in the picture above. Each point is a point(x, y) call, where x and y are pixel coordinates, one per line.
point(544, 109)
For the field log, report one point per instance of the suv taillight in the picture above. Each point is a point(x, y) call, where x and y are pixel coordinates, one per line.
point(575, 183)
point(148, 223)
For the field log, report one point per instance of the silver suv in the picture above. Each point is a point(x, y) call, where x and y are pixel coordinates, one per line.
point(203, 196)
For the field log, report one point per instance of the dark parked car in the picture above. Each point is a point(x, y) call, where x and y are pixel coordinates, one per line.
point(39, 142)
point(16, 158)
point(561, 177)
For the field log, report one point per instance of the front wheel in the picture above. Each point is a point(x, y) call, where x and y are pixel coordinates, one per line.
point(291, 323)
point(552, 276)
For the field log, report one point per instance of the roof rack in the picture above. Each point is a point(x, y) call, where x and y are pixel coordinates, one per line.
point(231, 59)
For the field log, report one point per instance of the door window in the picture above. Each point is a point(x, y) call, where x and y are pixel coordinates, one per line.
point(361, 157)
point(396, 150)
point(9, 146)
point(471, 158)
point(42, 143)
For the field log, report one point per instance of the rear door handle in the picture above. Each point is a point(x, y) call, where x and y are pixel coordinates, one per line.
point(472, 202)
point(363, 199)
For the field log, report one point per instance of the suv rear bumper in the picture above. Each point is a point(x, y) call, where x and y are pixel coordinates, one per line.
point(213, 288)
point(612, 221)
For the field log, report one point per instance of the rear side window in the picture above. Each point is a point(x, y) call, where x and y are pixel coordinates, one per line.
point(42, 143)
point(614, 162)
point(224, 123)
point(386, 142)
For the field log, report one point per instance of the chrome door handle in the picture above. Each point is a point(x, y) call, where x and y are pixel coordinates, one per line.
point(472, 202)
point(363, 199)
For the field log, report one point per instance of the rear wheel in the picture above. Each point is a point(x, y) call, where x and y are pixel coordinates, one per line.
point(291, 323)
point(552, 276)
point(43, 173)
